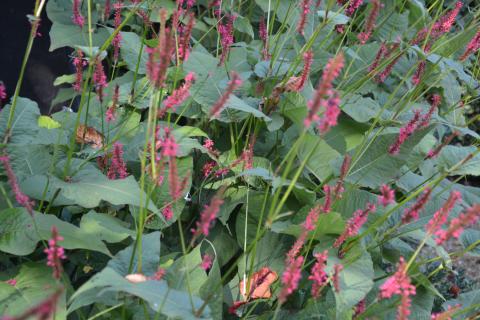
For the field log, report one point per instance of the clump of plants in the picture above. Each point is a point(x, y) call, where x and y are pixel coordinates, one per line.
point(244, 159)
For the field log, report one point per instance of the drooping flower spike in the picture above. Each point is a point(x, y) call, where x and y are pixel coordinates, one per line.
point(117, 40)
point(77, 16)
point(387, 195)
point(304, 11)
point(318, 276)
point(435, 152)
point(457, 225)
point(440, 217)
point(118, 168)
point(472, 46)
point(405, 133)
point(412, 213)
point(208, 216)
point(21, 198)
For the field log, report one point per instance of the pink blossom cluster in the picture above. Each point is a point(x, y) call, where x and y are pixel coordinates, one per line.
point(387, 195)
point(208, 216)
point(118, 168)
point(3, 92)
point(354, 224)
point(370, 22)
point(107, 10)
point(448, 314)
point(326, 97)
point(440, 217)
point(399, 284)
point(318, 275)
point(305, 10)
point(457, 225)
point(21, 198)
point(234, 83)
point(55, 253)
point(412, 212)
point(435, 101)
point(472, 46)
point(43, 311)
point(167, 212)
point(291, 278)
point(207, 261)
point(77, 17)
point(353, 5)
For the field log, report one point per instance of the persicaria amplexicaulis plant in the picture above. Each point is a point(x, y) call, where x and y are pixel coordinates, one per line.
point(242, 159)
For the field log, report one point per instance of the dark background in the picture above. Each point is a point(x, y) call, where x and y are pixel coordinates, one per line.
point(43, 66)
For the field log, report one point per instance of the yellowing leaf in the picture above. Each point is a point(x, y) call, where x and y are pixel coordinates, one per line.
point(47, 122)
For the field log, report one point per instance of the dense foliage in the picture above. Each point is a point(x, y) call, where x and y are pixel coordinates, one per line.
point(255, 159)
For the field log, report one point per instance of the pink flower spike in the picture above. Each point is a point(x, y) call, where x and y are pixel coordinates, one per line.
point(399, 284)
point(21, 198)
point(110, 113)
point(159, 274)
point(159, 57)
point(79, 63)
point(441, 216)
point(235, 83)
point(99, 79)
point(472, 46)
point(208, 168)
point(3, 92)
point(206, 262)
point(225, 29)
point(325, 96)
point(77, 17)
point(310, 222)
point(336, 276)
point(434, 104)
point(185, 35)
point(305, 10)
point(117, 40)
point(352, 7)
point(413, 212)
point(307, 64)
point(107, 10)
point(405, 133)
point(354, 224)
point(360, 308)
point(167, 212)
point(55, 253)
point(118, 168)
point(263, 34)
point(12, 282)
point(370, 22)
point(417, 77)
point(208, 216)
point(457, 225)
point(435, 152)
point(290, 278)
point(387, 196)
point(318, 275)
point(178, 95)
point(327, 203)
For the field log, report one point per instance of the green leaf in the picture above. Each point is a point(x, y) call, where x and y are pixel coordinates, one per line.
point(169, 302)
point(319, 155)
point(24, 126)
point(451, 155)
point(87, 189)
point(105, 227)
point(243, 25)
point(130, 50)
point(19, 233)
point(471, 237)
point(34, 285)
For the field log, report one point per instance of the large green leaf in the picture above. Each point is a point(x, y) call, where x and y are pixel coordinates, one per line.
point(19, 233)
point(34, 284)
point(87, 189)
point(319, 155)
point(105, 227)
point(130, 50)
